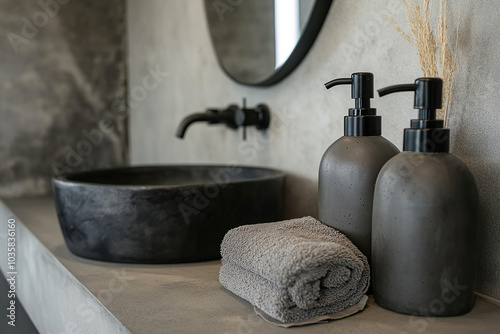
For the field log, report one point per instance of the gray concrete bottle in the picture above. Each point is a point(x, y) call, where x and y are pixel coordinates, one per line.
point(424, 218)
point(350, 166)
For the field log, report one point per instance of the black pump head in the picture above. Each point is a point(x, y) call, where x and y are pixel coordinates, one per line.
point(427, 134)
point(428, 95)
point(362, 119)
point(361, 87)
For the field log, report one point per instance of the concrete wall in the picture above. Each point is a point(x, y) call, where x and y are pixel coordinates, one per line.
point(172, 36)
point(61, 68)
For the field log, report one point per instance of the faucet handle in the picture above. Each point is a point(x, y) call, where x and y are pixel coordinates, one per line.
point(259, 116)
point(264, 116)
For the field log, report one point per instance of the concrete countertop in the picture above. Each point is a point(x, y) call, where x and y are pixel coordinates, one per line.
point(64, 293)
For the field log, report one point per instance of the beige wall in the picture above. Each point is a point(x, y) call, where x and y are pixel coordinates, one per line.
point(173, 36)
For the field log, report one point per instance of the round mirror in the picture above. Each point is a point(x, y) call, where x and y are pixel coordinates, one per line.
point(259, 42)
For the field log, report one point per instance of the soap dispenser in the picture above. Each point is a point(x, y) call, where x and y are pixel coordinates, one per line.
point(424, 218)
point(350, 166)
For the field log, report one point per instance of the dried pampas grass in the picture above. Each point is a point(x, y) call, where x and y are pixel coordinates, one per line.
point(434, 54)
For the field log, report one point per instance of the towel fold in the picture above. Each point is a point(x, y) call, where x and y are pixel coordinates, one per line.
point(293, 270)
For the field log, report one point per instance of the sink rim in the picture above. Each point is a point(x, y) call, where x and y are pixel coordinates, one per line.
point(63, 179)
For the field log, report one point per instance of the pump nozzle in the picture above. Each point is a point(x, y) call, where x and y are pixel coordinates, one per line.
point(396, 89)
point(335, 82)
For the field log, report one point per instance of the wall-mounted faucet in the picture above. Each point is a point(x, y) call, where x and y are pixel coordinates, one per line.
point(233, 116)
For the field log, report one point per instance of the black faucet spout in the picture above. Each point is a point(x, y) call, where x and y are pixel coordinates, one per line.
point(186, 122)
point(211, 116)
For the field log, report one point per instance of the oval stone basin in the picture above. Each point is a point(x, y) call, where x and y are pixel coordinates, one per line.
point(163, 214)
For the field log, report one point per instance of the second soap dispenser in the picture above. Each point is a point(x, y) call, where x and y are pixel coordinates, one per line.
point(350, 166)
point(425, 218)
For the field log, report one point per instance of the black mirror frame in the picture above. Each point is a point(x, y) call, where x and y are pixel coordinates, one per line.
point(313, 27)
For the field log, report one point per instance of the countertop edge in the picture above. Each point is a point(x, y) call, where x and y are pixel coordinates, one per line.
point(48, 291)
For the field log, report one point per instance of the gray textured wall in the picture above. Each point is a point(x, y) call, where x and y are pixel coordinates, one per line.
point(61, 68)
point(173, 36)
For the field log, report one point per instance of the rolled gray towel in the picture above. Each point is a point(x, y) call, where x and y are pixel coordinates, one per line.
point(295, 269)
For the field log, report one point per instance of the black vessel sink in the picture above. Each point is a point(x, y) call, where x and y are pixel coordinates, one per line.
point(163, 214)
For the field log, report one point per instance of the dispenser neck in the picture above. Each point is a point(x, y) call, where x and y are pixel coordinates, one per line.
point(427, 113)
point(362, 103)
point(427, 134)
point(433, 140)
point(365, 125)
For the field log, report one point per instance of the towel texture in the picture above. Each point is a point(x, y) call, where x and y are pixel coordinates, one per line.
point(293, 270)
point(316, 320)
